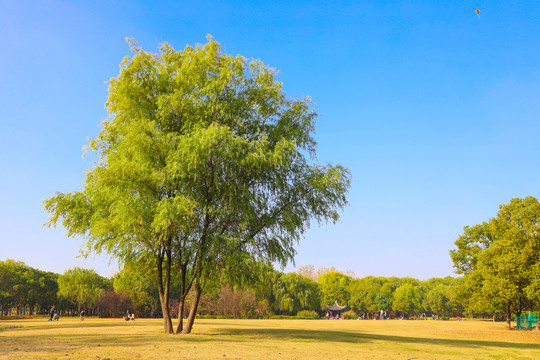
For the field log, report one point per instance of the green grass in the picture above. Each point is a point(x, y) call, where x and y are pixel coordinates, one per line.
point(266, 339)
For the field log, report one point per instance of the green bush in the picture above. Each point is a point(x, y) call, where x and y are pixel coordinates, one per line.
point(307, 314)
point(350, 315)
point(281, 317)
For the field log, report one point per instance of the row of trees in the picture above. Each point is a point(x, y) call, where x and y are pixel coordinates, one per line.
point(499, 260)
point(289, 293)
point(28, 291)
point(24, 290)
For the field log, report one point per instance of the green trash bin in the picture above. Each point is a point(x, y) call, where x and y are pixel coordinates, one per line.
point(532, 321)
point(527, 322)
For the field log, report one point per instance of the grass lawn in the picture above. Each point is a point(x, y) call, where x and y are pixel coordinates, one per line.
point(266, 339)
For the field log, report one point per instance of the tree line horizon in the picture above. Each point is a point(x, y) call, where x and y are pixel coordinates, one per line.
point(28, 291)
point(483, 255)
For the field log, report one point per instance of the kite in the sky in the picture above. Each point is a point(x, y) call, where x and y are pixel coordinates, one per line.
point(477, 12)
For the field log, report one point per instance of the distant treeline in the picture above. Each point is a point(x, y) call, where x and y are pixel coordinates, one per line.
point(28, 291)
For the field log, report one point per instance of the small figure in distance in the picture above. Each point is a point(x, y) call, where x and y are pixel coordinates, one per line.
point(51, 312)
point(83, 313)
point(56, 316)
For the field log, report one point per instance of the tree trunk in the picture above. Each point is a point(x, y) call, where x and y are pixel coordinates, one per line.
point(163, 290)
point(167, 322)
point(184, 289)
point(180, 326)
point(508, 316)
point(193, 311)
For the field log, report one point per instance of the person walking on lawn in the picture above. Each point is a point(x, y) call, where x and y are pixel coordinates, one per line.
point(52, 313)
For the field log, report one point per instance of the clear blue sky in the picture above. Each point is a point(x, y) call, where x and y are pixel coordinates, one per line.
point(435, 111)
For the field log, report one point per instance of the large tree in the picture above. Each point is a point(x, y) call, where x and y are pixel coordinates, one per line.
point(203, 162)
point(501, 258)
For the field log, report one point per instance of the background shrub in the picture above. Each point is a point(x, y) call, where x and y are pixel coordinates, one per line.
point(307, 314)
point(350, 315)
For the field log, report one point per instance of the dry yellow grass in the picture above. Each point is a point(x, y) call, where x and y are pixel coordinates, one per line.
point(267, 339)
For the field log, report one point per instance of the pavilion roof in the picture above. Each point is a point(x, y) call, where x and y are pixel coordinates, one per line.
point(336, 307)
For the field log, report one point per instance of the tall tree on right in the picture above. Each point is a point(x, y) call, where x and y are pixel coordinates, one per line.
point(503, 257)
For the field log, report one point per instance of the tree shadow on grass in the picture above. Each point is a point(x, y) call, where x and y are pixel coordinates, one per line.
point(52, 342)
point(82, 324)
point(352, 337)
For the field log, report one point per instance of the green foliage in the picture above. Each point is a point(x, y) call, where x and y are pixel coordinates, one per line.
point(438, 301)
point(473, 241)
point(296, 292)
point(24, 287)
point(307, 314)
point(267, 287)
point(82, 286)
point(288, 293)
point(136, 279)
point(370, 294)
point(501, 259)
point(350, 315)
point(334, 287)
point(407, 299)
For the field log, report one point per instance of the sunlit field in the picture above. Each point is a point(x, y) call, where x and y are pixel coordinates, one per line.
point(266, 339)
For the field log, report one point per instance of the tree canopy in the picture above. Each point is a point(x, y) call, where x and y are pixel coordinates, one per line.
point(334, 286)
point(24, 287)
point(83, 286)
point(408, 299)
point(203, 163)
point(501, 258)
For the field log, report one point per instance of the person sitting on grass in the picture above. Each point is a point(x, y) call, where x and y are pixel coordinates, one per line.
point(56, 316)
point(129, 316)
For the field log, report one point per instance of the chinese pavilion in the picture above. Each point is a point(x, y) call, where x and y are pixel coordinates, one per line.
point(335, 309)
